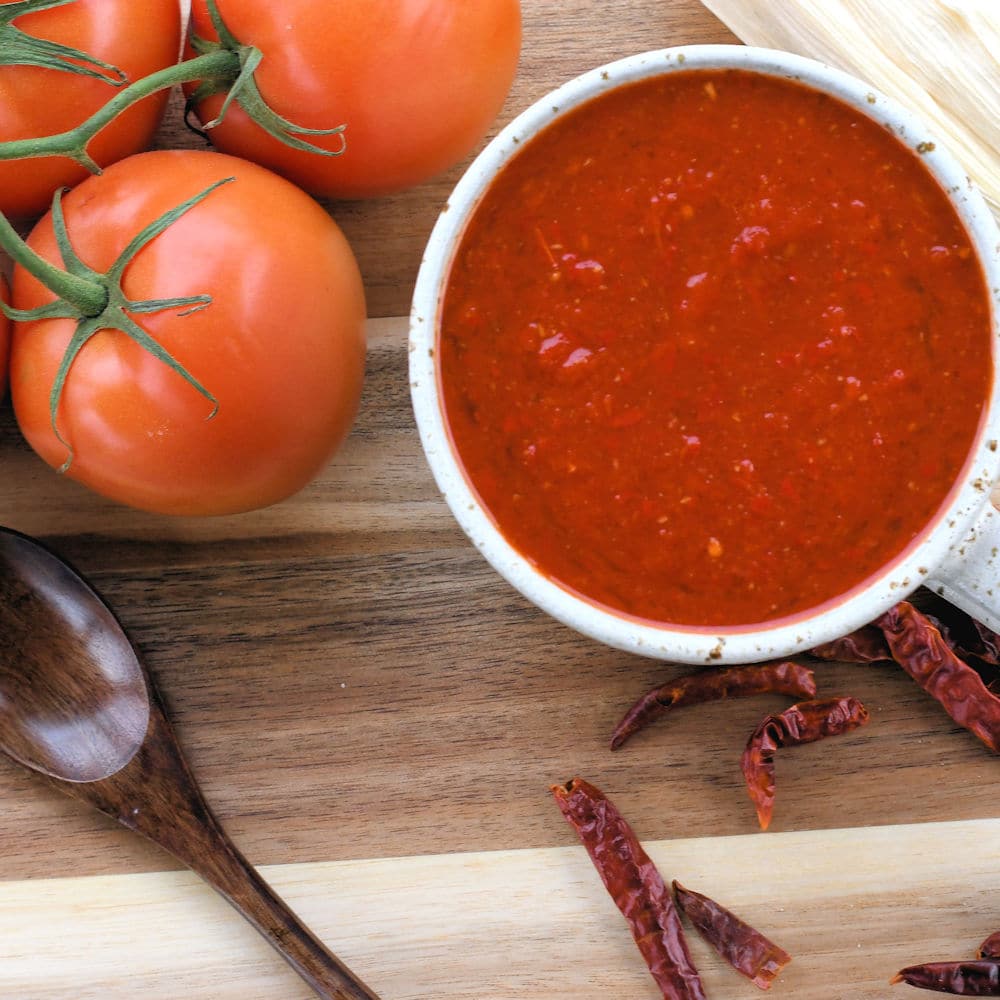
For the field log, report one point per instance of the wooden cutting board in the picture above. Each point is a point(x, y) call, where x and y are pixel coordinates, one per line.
point(852, 906)
point(376, 718)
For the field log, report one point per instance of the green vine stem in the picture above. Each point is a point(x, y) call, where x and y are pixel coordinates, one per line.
point(87, 297)
point(96, 301)
point(223, 66)
point(17, 48)
point(73, 143)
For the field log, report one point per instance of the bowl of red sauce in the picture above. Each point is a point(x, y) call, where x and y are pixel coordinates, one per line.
point(703, 357)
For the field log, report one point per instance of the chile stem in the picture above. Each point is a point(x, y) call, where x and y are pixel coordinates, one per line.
point(89, 297)
point(220, 64)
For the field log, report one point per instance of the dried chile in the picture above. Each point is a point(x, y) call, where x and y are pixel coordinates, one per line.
point(715, 685)
point(919, 648)
point(988, 648)
point(742, 946)
point(635, 885)
point(965, 636)
point(803, 723)
point(964, 646)
point(966, 979)
point(866, 645)
point(990, 948)
point(970, 639)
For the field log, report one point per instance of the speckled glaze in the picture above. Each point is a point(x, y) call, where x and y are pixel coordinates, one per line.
point(956, 554)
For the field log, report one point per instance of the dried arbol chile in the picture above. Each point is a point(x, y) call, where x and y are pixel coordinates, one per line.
point(919, 648)
point(990, 948)
point(803, 723)
point(742, 946)
point(969, 639)
point(966, 979)
point(988, 648)
point(715, 685)
point(979, 978)
point(635, 885)
point(965, 636)
point(866, 645)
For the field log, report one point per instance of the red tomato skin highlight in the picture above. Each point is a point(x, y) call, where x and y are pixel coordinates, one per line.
point(416, 82)
point(281, 346)
point(138, 36)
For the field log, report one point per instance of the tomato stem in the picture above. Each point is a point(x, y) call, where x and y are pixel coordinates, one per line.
point(225, 66)
point(221, 64)
point(84, 294)
point(244, 91)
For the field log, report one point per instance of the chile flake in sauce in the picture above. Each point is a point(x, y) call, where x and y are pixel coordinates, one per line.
point(714, 349)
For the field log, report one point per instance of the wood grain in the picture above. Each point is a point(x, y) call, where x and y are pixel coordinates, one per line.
point(370, 708)
point(516, 925)
point(350, 679)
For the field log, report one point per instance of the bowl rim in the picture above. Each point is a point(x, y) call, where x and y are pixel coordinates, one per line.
point(686, 644)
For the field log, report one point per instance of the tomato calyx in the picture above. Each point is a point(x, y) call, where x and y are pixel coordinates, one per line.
point(242, 88)
point(226, 65)
point(97, 301)
point(18, 48)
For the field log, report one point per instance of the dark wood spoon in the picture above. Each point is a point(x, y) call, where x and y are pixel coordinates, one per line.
point(77, 705)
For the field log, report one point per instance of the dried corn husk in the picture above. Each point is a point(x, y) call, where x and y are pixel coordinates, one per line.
point(940, 58)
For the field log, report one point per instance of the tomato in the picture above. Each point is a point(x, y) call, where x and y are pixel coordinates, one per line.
point(416, 82)
point(4, 338)
point(280, 346)
point(137, 36)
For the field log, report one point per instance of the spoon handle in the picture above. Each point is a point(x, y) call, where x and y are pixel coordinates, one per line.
point(241, 885)
point(156, 795)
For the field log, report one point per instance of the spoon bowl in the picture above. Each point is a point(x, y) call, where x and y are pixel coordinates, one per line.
point(73, 697)
point(78, 706)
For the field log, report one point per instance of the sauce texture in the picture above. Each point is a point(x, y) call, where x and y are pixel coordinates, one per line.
point(714, 349)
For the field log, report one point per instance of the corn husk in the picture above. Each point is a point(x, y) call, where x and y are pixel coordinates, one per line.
point(939, 58)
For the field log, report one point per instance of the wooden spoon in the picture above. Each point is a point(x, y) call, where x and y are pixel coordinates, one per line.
point(77, 705)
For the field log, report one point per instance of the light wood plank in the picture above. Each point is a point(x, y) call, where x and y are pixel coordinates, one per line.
point(852, 906)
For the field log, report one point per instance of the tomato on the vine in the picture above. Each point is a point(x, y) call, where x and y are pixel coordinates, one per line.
point(137, 37)
point(279, 347)
point(417, 84)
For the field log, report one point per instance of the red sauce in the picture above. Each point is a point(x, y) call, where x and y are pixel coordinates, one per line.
point(714, 349)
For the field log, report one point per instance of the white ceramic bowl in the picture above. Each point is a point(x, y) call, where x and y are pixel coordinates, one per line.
point(956, 554)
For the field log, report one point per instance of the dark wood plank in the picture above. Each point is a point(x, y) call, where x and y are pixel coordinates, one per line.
point(350, 679)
